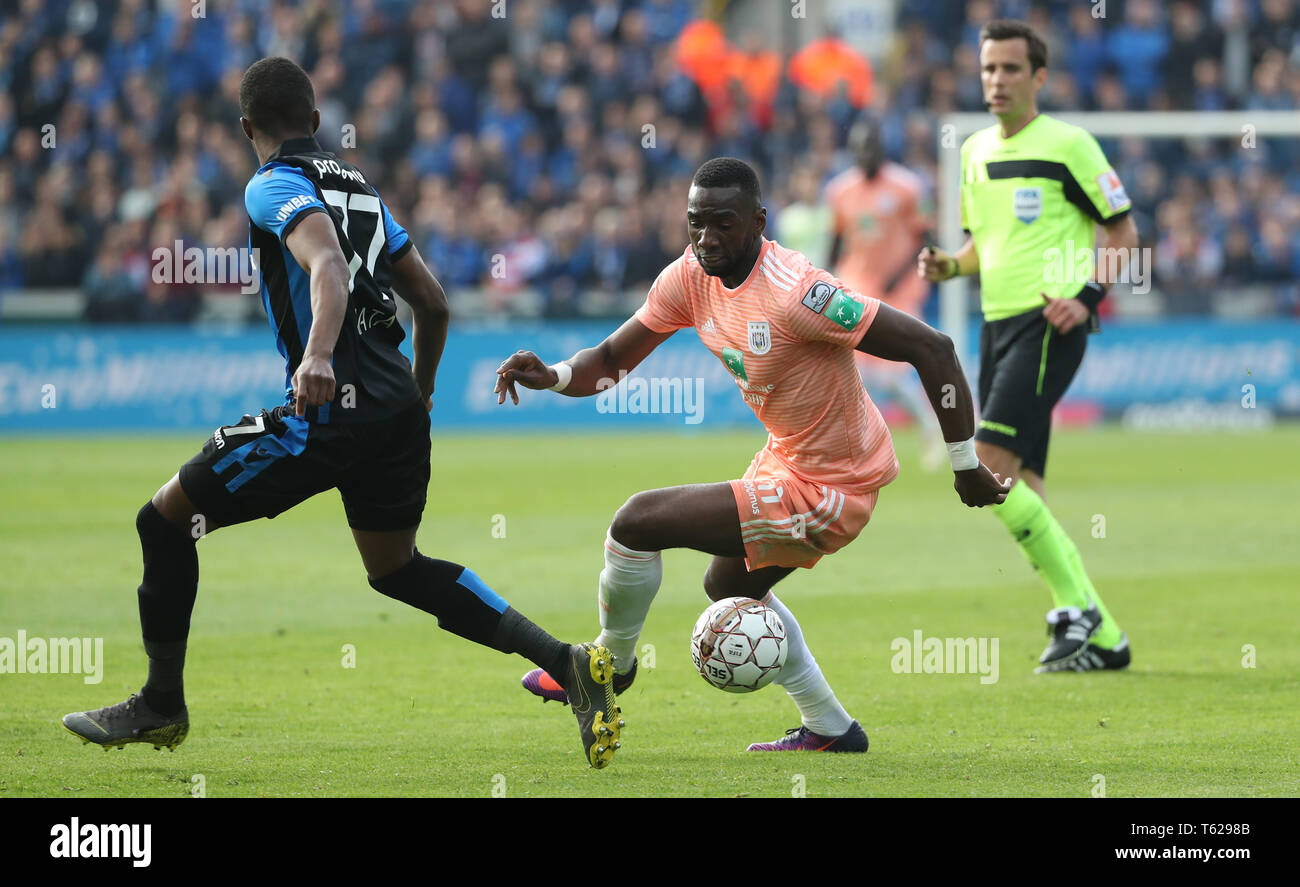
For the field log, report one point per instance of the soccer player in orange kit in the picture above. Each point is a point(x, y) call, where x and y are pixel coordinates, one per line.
point(787, 332)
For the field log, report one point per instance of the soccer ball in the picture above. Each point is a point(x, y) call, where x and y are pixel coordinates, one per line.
point(739, 645)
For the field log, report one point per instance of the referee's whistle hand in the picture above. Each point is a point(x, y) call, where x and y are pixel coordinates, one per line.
point(934, 265)
point(1064, 314)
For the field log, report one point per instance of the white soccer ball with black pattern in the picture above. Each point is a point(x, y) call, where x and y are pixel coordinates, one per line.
point(739, 645)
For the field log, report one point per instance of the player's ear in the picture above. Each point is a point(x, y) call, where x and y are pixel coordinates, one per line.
point(246, 127)
point(315, 120)
point(760, 220)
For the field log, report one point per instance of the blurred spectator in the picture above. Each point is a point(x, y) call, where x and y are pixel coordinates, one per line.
point(830, 68)
point(805, 223)
point(1191, 42)
point(477, 40)
point(758, 71)
point(703, 54)
point(112, 296)
point(1138, 48)
point(1238, 258)
point(543, 158)
point(1276, 29)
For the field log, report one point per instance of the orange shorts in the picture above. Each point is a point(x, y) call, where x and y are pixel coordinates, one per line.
point(786, 521)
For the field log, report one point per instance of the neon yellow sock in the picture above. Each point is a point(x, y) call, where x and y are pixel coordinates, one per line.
point(1108, 634)
point(1054, 556)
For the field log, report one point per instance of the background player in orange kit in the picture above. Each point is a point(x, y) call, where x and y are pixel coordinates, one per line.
point(879, 218)
point(786, 331)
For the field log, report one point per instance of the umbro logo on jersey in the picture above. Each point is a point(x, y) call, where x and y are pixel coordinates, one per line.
point(708, 326)
point(817, 297)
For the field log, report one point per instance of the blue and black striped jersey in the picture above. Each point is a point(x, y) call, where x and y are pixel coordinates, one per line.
point(372, 377)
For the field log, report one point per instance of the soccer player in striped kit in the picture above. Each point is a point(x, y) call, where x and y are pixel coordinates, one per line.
point(787, 332)
point(356, 419)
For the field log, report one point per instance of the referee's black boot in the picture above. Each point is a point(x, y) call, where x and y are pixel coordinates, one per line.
point(1094, 658)
point(1070, 628)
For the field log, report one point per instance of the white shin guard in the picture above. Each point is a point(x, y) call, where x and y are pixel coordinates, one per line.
point(803, 680)
point(628, 585)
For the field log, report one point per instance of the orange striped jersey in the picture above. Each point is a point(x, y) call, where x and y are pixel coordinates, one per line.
point(787, 336)
point(880, 222)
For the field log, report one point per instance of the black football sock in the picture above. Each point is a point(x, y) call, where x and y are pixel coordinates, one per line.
point(466, 606)
point(166, 595)
point(164, 691)
point(518, 634)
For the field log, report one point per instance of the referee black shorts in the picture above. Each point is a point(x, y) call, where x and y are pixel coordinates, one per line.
point(1025, 368)
point(269, 463)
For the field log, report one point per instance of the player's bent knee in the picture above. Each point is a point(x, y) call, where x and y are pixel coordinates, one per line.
point(384, 553)
point(383, 566)
point(156, 531)
point(629, 526)
point(715, 587)
point(173, 504)
point(725, 578)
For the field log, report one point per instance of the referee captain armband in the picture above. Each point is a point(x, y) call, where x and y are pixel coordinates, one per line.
point(962, 455)
point(565, 373)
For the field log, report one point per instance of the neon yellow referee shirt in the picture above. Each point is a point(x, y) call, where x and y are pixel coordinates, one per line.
point(1030, 203)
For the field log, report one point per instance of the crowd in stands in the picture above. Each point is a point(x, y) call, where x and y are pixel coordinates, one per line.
point(541, 160)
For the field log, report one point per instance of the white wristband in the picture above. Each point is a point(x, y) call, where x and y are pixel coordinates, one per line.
point(962, 455)
point(565, 372)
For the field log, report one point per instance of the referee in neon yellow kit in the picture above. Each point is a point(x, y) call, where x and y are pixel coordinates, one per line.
point(1033, 190)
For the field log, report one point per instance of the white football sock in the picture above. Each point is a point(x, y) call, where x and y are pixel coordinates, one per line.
point(628, 585)
point(803, 680)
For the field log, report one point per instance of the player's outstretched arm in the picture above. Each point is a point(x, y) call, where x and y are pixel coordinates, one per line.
point(417, 286)
point(315, 247)
point(593, 369)
point(896, 335)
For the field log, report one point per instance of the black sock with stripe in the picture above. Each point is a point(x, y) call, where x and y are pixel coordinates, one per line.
point(464, 605)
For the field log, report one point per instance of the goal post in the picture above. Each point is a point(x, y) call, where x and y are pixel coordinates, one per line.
point(954, 129)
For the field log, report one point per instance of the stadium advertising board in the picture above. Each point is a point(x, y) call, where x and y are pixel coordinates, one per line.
point(1168, 374)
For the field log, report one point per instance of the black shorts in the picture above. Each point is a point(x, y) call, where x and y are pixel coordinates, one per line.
point(1025, 367)
point(267, 464)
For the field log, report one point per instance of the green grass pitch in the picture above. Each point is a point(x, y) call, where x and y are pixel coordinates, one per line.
point(1198, 559)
